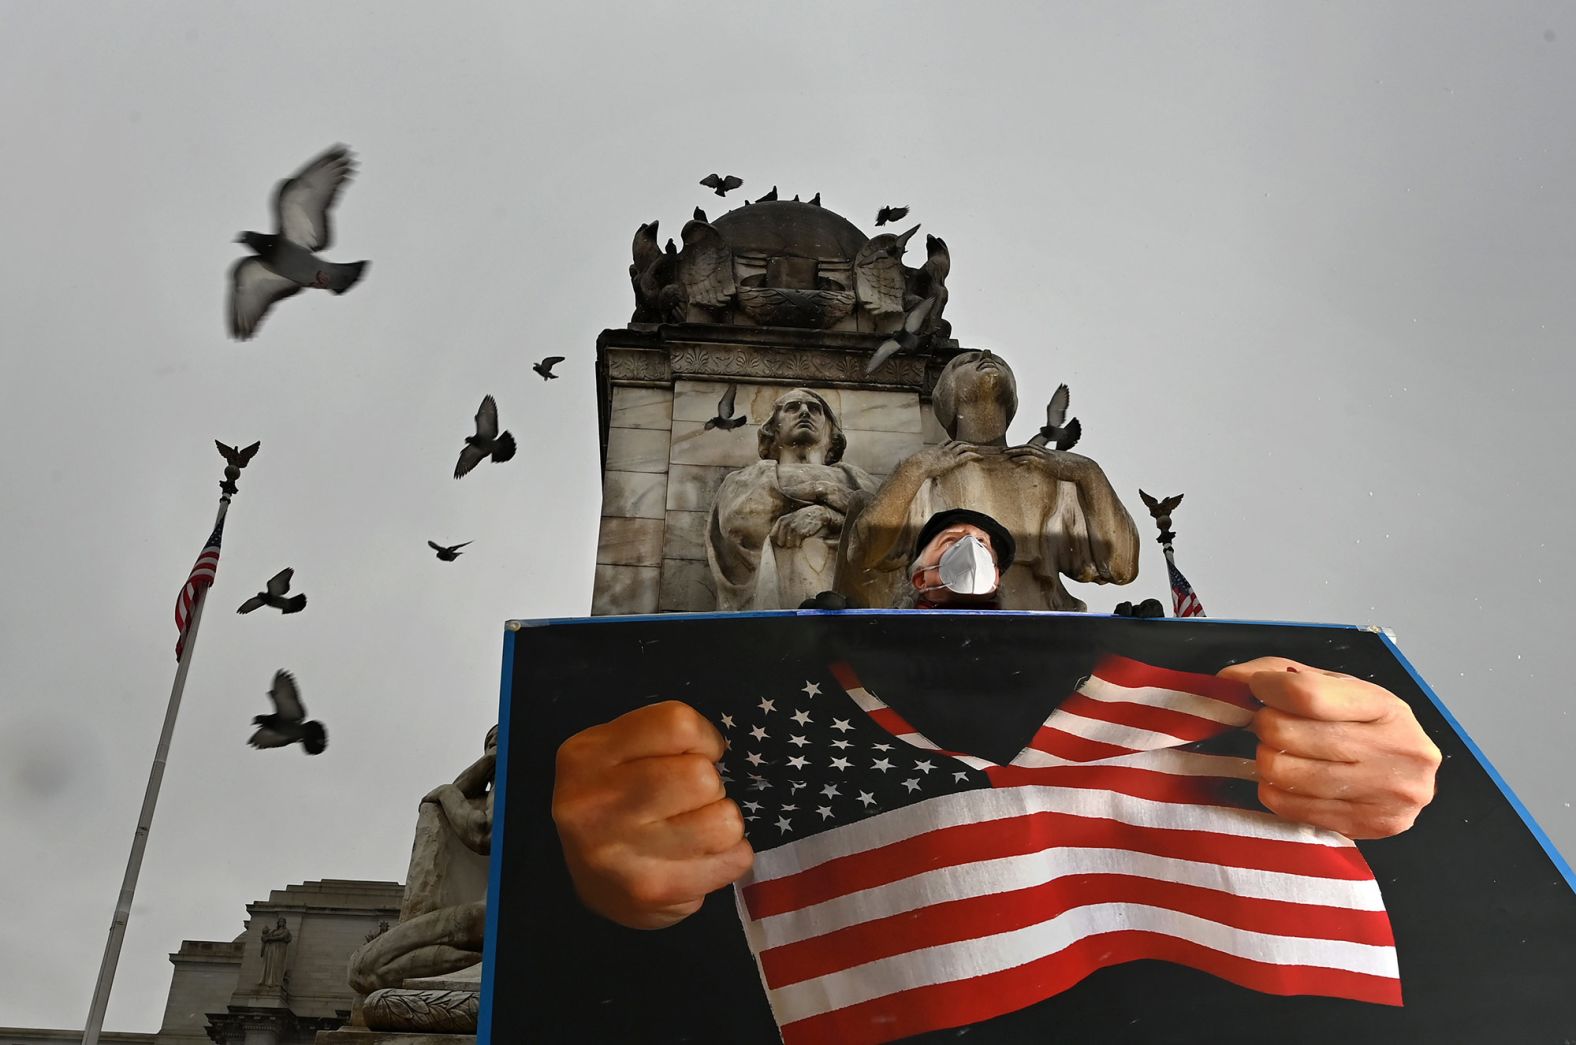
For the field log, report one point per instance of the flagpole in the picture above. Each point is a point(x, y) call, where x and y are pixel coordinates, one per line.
point(150, 798)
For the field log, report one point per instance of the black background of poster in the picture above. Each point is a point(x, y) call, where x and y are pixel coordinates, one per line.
point(1485, 923)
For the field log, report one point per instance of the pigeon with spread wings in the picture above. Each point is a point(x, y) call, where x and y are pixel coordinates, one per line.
point(725, 419)
point(886, 214)
point(545, 367)
point(286, 263)
point(288, 723)
point(1058, 432)
point(487, 442)
point(274, 595)
point(447, 552)
point(723, 184)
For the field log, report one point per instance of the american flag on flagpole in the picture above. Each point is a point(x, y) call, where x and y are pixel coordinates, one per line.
point(899, 888)
point(201, 577)
point(1184, 602)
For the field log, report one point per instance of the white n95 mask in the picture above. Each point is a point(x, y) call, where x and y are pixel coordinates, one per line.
point(968, 568)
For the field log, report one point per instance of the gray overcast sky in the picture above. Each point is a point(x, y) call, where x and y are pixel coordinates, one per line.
point(1310, 264)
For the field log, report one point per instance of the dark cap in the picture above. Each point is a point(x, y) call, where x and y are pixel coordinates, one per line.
point(1002, 544)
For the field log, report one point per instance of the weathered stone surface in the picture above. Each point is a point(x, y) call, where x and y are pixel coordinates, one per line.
point(629, 542)
point(930, 429)
point(693, 444)
point(634, 495)
point(625, 589)
point(692, 487)
point(685, 537)
point(636, 407)
point(880, 451)
point(861, 410)
point(359, 1036)
point(637, 450)
point(447, 1012)
point(686, 587)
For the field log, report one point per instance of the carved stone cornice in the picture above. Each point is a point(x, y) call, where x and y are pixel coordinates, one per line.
point(658, 355)
point(427, 1011)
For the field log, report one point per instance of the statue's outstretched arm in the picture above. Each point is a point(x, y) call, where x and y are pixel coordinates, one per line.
point(1111, 556)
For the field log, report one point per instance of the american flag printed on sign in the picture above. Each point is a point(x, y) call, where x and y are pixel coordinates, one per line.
point(899, 888)
point(1184, 601)
point(201, 576)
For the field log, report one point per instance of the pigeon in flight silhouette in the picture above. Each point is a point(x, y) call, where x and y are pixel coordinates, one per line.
point(487, 442)
point(721, 185)
point(886, 214)
point(288, 724)
point(725, 418)
point(1058, 432)
point(545, 367)
point(447, 553)
point(286, 262)
point(274, 595)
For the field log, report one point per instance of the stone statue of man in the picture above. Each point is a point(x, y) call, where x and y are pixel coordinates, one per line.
point(774, 528)
point(275, 942)
point(438, 932)
point(1058, 506)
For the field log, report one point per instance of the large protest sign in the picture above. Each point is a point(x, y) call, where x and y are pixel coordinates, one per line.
point(1031, 827)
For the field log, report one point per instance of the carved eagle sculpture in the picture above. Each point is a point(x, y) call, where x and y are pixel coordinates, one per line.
point(705, 266)
point(880, 277)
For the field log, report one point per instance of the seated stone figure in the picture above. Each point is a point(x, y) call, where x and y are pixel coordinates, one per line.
point(774, 528)
point(1059, 507)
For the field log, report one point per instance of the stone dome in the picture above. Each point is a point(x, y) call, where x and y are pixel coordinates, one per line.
point(785, 228)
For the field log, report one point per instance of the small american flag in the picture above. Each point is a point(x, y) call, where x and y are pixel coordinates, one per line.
point(201, 577)
point(899, 888)
point(1184, 603)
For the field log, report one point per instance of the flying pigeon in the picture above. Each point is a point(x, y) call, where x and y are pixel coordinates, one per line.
point(286, 262)
point(721, 185)
point(886, 214)
point(487, 442)
point(287, 724)
point(1058, 431)
point(449, 553)
point(699, 215)
point(769, 197)
point(545, 367)
point(725, 418)
point(904, 339)
point(274, 595)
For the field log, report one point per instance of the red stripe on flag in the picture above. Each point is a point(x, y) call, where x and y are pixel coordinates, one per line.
point(1121, 671)
point(1036, 832)
point(891, 721)
point(1125, 780)
point(980, 916)
point(1177, 724)
point(982, 997)
point(1074, 748)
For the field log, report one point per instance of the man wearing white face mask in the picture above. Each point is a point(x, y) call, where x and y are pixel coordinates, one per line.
point(959, 558)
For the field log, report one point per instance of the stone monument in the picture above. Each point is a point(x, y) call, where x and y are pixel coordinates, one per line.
point(275, 942)
point(1059, 506)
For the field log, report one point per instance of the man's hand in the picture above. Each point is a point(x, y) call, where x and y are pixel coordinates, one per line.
point(646, 827)
point(1335, 751)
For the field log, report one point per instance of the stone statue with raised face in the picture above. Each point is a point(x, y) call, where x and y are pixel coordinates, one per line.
point(1059, 506)
point(772, 536)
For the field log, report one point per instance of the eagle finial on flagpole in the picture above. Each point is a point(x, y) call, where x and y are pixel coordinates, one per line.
point(1184, 601)
point(234, 461)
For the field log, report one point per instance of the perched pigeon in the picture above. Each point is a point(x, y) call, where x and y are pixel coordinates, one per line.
point(815, 201)
point(274, 595)
point(239, 458)
point(699, 215)
point(286, 262)
point(886, 214)
point(487, 442)
point(288, 722)
point(721, 185)
point(725, 418)
point(769, 197)
point(447, 553)
point(545, 367)
point(1058, 431)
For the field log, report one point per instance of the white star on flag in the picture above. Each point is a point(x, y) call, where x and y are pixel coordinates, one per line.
point(801, 716)
point(811, 689)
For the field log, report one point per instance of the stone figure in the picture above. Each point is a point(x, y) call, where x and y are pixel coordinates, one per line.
point(775, 525)
point(275, 943)
point(444, 914)
point(1059, 506)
